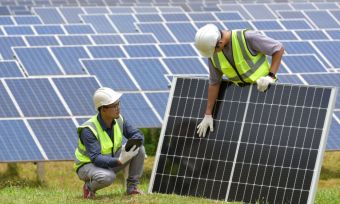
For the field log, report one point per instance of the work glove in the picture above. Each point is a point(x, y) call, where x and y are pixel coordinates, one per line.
point(203, 126)
point(126, 156)
point(264, 82)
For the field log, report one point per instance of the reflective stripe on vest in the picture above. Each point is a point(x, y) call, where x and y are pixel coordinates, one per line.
point(107, 146)
point(249, 67)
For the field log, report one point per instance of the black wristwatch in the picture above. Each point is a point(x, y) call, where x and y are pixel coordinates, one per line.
point(272, 75)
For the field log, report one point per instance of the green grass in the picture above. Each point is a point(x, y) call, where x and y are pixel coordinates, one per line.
point(19, 184)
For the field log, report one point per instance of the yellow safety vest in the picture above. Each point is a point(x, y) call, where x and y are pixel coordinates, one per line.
point(107, 146)
point(248, 68)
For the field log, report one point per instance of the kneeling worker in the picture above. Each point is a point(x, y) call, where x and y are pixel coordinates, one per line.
point(101, 147)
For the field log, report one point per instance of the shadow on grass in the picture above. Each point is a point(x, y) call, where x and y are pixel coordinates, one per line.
point(327, 173)
point(11, 178)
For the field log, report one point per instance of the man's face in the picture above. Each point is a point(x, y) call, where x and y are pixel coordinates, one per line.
point(112, 110)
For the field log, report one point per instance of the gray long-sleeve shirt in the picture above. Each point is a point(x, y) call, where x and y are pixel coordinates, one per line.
point(256, 42)
point(93, 148)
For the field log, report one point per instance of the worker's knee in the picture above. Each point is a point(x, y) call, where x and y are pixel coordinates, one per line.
point(106, 178)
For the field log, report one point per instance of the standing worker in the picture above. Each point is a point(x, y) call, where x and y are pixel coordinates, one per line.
point(241, 56)
point(101, 147)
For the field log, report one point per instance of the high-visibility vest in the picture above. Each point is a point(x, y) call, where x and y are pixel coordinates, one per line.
point(107, 146)
point(248, 68)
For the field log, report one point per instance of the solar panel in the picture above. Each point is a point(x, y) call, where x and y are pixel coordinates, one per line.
point(37, 61)
point(123, 22)
point(335, 34)
point(174, 17)
point(100, 23)
point(41, 40)
point(10, 69)
point(6, 20)
point(18, 30)
point(185, 66)
point(49, 29)
point(333, 142)
point(228, 16)
point(232, 25)
point(107, 39)
point(281, 35)
point(68, 57)
point(142, 51)
point(79, 29)
point(49, 15)
point(159, 100)
point(173, 50)
point(140, 38)
point(267, 25)
point(106, 51)
point(202, 17)
point(266, 147)
point(71, 14)
point(304, 63)
point(291, 14)
point(179, 28)
point(259, 11)
point(330, 49)
point(74, 40)
point(57, 137)
point(77, 93)
point(10, 151)
point(149, 18)
point(36, 97)
point(322, 19)
point(8, 108)
point(158, 29)
point(295, 24)
point(27, 20)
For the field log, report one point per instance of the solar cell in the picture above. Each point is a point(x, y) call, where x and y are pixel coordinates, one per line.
point(202, 16)
point(185, 66)
point(41, 40)
point(57, 137)
point(158, 29)
point(49, 29)
point(6, 20)
point(49, 15)
point(100, 23)
point(18, 30)
point(140, 38)
point(110, 73)
point(142, 51)
point(106, 51)
point(77, 93)
point(9, 148)
point(10, 69)
point(233, 25)
point(79, 29)
point(179, 28)
point(68, 57)
point(295, 24)
point(159, 101)
point(304, 63)
point(281, 35)
point(8, 108)
point(149, 18)
point(228, 16)
point(312, 35)
point(37, 61)
point(74, 40)
point(177, 50)
point(267, 25)
point(36, 97)
point(174, 17)
point(259, 11)
point(107, 39)
point(322, 19)
point(27, 20)
point(262, 148)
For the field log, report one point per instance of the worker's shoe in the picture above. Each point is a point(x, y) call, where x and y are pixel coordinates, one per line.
point(87, 193)
point(134, 191)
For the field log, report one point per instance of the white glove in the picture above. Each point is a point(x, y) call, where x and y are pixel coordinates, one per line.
point(263, 83)
point(126, 156)
point(203, 126)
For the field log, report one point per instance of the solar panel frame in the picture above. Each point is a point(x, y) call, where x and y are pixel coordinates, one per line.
point(327, 104)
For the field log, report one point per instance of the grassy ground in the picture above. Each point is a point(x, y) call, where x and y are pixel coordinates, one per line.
point(19, 184)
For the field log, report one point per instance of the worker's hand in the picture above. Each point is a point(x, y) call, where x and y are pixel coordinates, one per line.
point(126, 156)
point(203, 126)
point(263, 83)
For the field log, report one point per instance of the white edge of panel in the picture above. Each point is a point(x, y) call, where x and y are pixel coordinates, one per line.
point(322, 147)
point(161, 137)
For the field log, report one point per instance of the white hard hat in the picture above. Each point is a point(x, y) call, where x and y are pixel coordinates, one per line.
point(206, 39)
point(105, 96)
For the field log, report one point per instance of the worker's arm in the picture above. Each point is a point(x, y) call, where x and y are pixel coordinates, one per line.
point(213, 91)
point(276, 60)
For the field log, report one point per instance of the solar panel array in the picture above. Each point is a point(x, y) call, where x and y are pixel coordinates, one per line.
point(265, 148)
point(55, 53)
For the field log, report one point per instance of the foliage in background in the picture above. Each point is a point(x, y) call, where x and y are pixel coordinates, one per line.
point(151, 140)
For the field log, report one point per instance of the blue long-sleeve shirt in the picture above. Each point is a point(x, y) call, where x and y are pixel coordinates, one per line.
point(93, 148)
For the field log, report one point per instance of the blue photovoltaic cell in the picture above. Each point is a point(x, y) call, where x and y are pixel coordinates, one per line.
point(111, 74)
point(9, 69)
point(336, 14)
point(6, 20)
point(295, 24)
point(333, 141)
point(142, 51)
point(201, 24)
point(49, 29)
point(322, 19)
point(185, 66)
point(232, 25)
point(331, 50)
point(228, 16)
point(281, 35)
point(69, 57)
point(278, 7)
point(121, 10)
point(289, 79)
point(16, 143)
point(99, 22)
point(106, 51)
point(37, 61)
point(335, 34)
point(202, 17)
point(18, 30)
point(27, 20)
point(36, 97)
point(107, 39)
point(149, 73)
point(303, 63)
point(159, 30)
point(171, 9)
point(302, 6)
point(79, 29)
point(174, 50)
point(7, 108)
point(135, 109)
point(82, 120)
point(291, 14)
point(41, 40)
point(179, 28)
point(96, 10)
point(267, 25)
point(140, 38)
point(49, 15)
point(149, 18)
point(144, 9)
point(71, 14)
point(159, 101)
point(6, 43)
point(78, 92)
point(74, 40)
point(173, 17)
point(311, 35)
point(330, 79)
point(124, 23)
point(235, 7)
point(259, 11)
point(58, 137)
